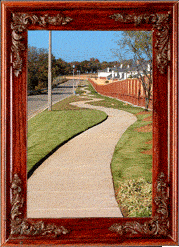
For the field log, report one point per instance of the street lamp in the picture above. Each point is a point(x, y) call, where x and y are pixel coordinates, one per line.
point(73, 79)
point(50, 73)
point(78, 74)
point(78, 78)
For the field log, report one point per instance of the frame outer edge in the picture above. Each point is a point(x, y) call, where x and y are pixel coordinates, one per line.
point(174, 135)
point(3, 122)
point(174, 126)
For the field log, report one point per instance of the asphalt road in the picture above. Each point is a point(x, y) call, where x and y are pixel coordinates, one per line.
point(38, 103)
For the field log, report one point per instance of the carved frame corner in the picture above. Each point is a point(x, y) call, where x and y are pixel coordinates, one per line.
point(159, 224)
point(20, 225)
point(20, 23)
point(160, 23)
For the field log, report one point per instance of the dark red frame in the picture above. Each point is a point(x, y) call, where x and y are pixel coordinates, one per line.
point(17, 18)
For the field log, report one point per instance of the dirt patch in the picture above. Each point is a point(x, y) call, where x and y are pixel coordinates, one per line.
point(124, 209)
point(149, 152)
point(146, 128)
point(148, 118)
point(101, 81)
point(150, 142)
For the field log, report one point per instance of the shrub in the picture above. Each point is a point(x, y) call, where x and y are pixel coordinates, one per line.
point(106, 81)
point(135, 198)
point(40, 85)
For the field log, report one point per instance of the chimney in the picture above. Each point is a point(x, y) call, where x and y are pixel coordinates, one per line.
point(128, 66)
point(108, 69)
point(121, 65)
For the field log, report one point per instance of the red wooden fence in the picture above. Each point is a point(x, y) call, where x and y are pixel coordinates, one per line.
point(129, 90)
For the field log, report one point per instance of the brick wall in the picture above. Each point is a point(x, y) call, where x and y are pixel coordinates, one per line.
point(129, 90)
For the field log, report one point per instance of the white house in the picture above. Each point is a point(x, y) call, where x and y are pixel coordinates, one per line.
point(122, 73)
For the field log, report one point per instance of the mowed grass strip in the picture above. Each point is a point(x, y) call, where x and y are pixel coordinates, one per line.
point(48, 130)
point(131, 162)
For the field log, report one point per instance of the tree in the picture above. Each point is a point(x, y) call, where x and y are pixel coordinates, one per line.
point(94, 65)
point(139, 46)
point(42, 67)
point(60, 66)
point(32, 68)
point(38, 68)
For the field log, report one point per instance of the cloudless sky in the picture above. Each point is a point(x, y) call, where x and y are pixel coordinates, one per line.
point(77, 45)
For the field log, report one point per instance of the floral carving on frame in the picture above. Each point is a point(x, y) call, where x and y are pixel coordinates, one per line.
point(20, 23)
point(159, 224)
point(160, 22)
point(21, 226)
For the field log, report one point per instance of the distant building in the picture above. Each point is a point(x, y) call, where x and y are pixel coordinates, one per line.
point(121, 73)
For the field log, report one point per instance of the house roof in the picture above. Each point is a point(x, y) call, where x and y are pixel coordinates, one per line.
point(134, 67)
point(116, 69)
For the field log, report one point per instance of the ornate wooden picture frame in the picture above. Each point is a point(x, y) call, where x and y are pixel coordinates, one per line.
point(159, 17)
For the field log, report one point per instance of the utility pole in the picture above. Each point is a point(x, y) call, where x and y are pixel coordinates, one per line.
point(50, 73)
point(73, 79)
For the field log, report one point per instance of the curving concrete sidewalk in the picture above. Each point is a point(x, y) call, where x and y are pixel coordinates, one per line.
point(76, 180)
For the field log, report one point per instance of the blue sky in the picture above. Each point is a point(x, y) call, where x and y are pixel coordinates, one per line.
point(77, 45)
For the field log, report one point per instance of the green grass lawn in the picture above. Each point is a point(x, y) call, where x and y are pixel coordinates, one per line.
point(48, 130)
point(130, 165)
